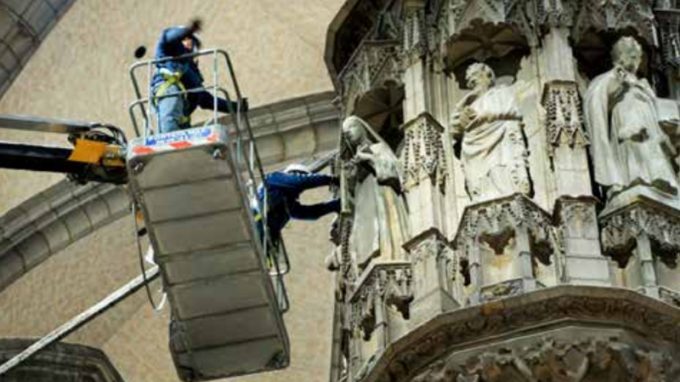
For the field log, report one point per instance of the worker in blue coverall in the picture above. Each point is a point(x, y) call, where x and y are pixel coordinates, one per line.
point(283, 199)
point(174, 76)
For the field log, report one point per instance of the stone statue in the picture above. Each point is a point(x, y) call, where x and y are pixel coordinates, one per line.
point(628, 146)
point(493, 151)
point(373, 187)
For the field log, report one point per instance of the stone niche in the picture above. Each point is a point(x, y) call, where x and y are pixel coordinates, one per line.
point(59, 362)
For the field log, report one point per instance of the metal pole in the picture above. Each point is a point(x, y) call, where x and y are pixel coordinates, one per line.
point(76, 322)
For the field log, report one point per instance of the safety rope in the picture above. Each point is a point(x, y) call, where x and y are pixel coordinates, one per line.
point(156, 307)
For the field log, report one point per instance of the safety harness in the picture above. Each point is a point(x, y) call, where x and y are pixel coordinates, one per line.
point(172, 78)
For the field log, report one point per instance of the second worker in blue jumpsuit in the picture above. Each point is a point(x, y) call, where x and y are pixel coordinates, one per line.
point(283, 199)
point(178, 75)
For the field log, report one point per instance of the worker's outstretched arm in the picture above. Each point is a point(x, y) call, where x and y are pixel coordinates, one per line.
point(313, 211)
point(300, 181)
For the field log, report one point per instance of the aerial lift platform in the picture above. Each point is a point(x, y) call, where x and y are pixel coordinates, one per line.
point(196, 190)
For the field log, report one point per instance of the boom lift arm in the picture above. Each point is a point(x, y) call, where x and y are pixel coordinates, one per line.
point(97, 154)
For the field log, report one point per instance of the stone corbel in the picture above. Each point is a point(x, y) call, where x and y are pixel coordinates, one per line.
point(495, 223)
point(422, 156)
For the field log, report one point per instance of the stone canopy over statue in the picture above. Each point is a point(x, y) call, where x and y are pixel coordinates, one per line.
point(628, 146)
point(493, 151)
point(372, 187)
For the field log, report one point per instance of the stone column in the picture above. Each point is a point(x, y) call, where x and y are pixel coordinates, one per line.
point(435, 273)
point(425, 169)
point(575, 213)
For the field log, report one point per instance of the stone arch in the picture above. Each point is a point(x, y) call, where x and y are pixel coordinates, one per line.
point(60, 362)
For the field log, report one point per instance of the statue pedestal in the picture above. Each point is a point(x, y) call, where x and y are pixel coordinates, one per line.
point(436, 276)
point(505, 247)
point(640, 194)
point(641, 233)
point(377, 311)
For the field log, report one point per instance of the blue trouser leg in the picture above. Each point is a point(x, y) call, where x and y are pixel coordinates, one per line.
point(170, 111)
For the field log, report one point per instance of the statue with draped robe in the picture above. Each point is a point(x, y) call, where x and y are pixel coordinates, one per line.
point(372, 191)
point(628, 146)
point(488, 125)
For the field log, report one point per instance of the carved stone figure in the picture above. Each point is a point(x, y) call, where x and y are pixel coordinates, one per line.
point(493, 151)
point(380, 220)
point(628, 146)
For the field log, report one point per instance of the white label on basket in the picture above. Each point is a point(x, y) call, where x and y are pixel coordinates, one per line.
point(178, 136)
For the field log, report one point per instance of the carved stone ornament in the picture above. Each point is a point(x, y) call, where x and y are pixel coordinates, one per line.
point(423, 352)
point(558, 360)
point(462, 16)
point(564, 115)
point(621, 230)
point(669, 296)
point(422, 156)
point(669, 32)
point(496, 222)
point(576, 216)
point(603, 15)
point(388, 284)
point(427, 244)
point(374, 64)
point(502, 290)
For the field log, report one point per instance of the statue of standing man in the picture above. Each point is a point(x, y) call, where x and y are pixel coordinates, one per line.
point(628, 146)
point(493, 149)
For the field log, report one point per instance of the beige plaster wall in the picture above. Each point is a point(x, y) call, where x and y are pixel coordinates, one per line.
point(80, 72)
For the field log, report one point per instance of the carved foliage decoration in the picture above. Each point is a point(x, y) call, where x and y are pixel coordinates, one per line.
point(559, 360)
point(480, 29)
point(556, 13)
point(495, 223)
point(564, 115)
point(669, 31)
point(423, 156)
point(621, 230)
point(374, 64)
point(376, 60)
point(605, 15)
point(620, 308)
point(385, 286)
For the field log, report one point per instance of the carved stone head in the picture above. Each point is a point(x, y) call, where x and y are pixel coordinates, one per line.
point(479, 76)
point(354, 131)
point(627, 54)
